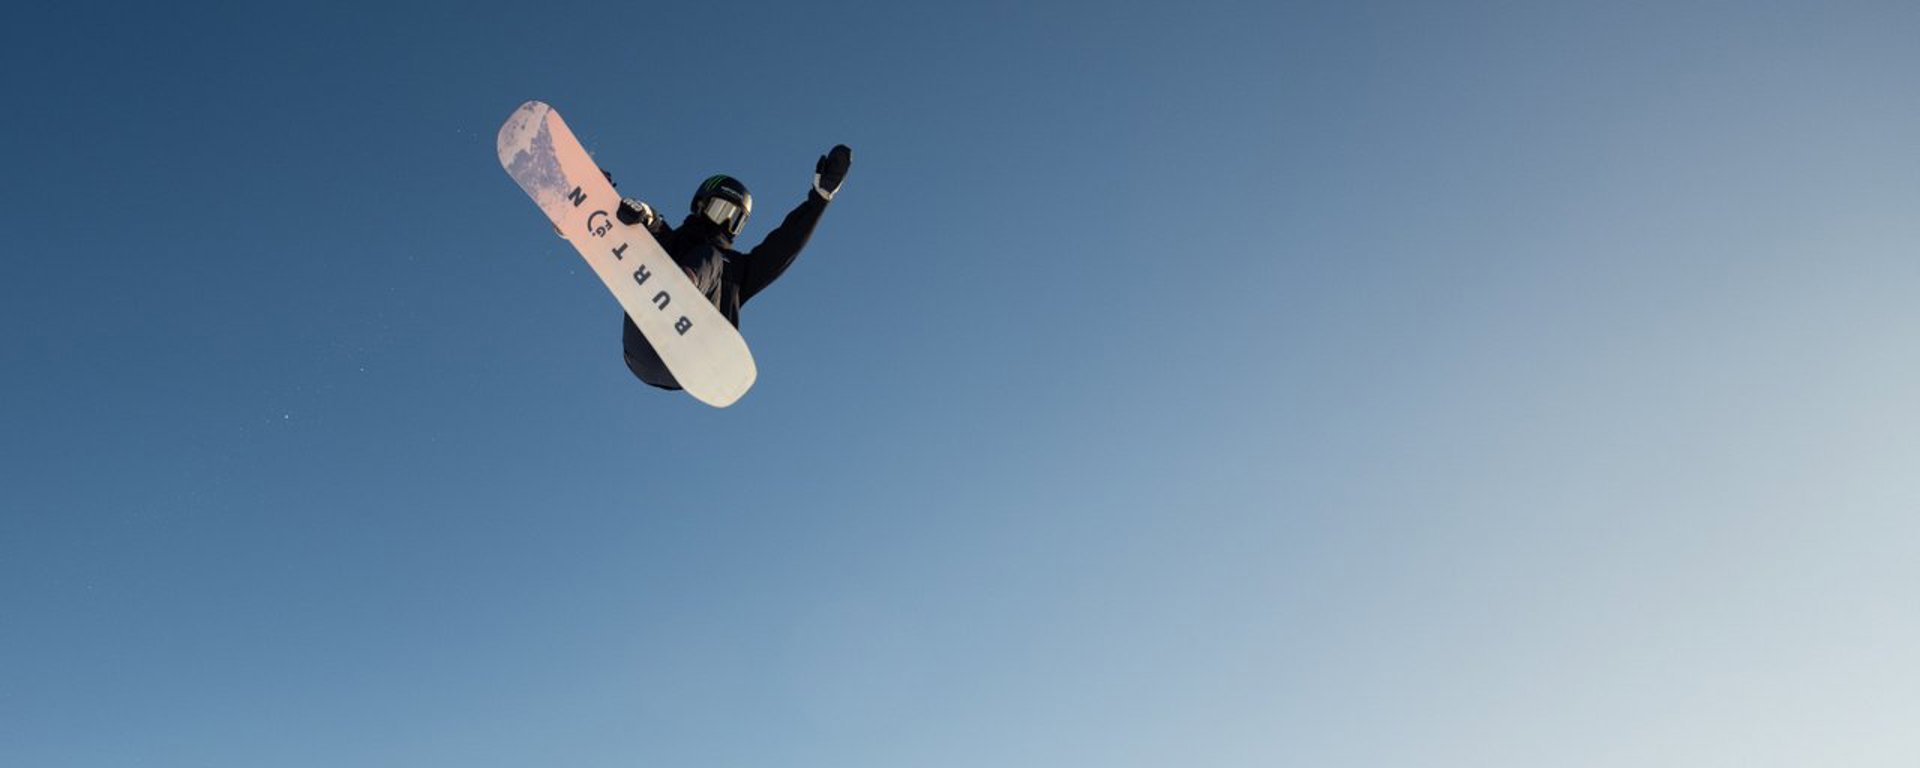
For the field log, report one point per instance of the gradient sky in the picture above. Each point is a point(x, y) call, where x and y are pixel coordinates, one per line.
point(1175, 384)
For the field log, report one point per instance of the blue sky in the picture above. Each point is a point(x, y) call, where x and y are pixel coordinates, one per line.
point(1227, 384)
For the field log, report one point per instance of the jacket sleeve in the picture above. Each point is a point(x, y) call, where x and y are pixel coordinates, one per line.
point(663, 232)
point(772, 256)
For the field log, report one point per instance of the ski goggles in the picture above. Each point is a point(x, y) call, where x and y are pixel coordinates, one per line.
point(726, 214)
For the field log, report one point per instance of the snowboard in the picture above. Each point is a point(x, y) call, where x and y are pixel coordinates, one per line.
point(705, 352)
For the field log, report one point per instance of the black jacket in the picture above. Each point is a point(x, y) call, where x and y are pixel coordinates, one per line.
point(727, 277)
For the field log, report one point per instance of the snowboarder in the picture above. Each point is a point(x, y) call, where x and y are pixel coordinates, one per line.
point(703, 246)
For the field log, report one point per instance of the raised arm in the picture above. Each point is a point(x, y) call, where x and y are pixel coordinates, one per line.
point(772, 256)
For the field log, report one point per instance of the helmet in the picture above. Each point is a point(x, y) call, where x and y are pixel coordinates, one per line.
point(723, 200)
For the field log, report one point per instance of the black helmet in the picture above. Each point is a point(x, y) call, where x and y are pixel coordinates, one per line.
point(723, 200)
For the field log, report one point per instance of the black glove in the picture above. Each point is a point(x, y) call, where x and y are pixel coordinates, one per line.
point(633, 212)
point(832, 170)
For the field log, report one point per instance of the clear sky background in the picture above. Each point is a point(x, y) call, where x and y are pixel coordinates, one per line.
point(1204, 383)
